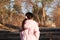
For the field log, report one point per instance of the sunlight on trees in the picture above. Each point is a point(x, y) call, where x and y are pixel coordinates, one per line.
point(42, 9)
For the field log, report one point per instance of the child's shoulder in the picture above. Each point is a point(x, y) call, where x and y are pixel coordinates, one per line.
point(31, 21)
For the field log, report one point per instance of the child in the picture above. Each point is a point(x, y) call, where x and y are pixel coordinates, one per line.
point(30, 28)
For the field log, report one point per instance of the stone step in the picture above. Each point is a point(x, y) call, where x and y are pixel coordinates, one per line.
point(45, 35)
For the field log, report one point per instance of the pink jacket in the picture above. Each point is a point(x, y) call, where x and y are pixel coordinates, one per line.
point(31, 31)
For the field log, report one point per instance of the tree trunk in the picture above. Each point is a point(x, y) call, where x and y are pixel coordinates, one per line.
point(43, 14)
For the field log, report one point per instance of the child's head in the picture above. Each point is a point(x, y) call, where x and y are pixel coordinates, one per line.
point(29, 15)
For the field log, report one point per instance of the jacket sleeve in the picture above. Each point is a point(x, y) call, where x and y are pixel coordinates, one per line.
point(37, 32)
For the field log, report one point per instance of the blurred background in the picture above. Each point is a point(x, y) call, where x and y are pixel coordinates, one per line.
point(47, 12)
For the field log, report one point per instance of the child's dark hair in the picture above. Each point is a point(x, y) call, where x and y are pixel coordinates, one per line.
point(29, 15)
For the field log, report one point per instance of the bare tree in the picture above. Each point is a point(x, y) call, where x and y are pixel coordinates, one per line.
point(56, 16)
